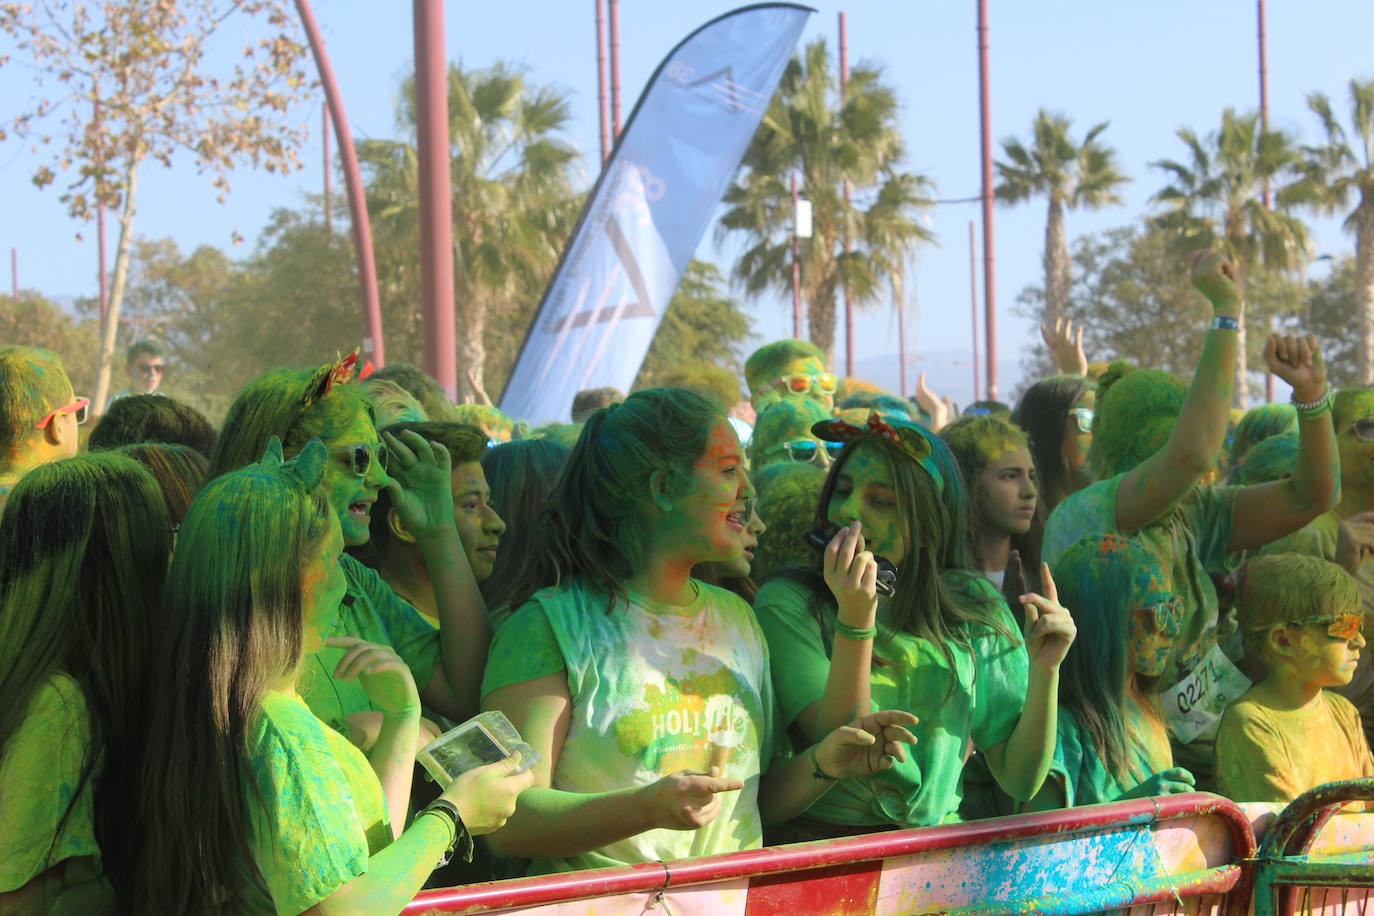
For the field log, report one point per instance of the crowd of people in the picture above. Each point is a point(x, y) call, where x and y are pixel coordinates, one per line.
point(222, 648)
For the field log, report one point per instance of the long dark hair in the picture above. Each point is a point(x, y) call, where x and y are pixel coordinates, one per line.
point(1043, 413)
point(521, 476)
point(595, 526)
point(1102, 577)
point(972, 441)
point(84, 544)
point(229, 627)
point(928, 601)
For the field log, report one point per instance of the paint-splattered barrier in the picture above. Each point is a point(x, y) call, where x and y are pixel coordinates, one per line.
point(1176, 854)
point(1316, 861)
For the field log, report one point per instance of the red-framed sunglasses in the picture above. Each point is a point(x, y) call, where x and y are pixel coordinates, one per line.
point(79, 406)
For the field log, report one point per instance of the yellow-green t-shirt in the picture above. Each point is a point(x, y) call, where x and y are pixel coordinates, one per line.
point(40, 784)
point(1271, 755)
point(316, 806)
point(975, 703)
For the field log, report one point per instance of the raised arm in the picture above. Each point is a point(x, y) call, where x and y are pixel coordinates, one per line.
point(1156, 485)
point(422, 494)
point(551, 823)
point(1268, 511)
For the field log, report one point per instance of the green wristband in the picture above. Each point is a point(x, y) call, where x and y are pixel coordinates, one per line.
point(816, 771)
point(856, 633)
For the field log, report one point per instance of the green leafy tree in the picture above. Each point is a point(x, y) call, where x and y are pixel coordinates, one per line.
point(122, 83)
point(703, 327)
point(829, 141)
point(513, 207)
point(1331, 302)
point(34, 321)
point(1069, 176)
point(1337, 170)
point(1215, 199)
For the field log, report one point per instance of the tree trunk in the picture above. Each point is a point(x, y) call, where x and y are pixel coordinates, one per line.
point(1057, 267)
point(472, 350)
point(821, 318)
point(1241, 396)
point(1364, 287)
point(123, 251)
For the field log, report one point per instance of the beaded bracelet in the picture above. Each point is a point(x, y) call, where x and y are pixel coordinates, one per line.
point(459, 837)
point(1311, 410)
point(857, 633)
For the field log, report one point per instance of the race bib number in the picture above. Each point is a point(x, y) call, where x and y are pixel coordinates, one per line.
point(1194, 705)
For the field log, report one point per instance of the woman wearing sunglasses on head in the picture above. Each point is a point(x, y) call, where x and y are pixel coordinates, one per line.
point(326, 403)
point(1344, 534)
point(782, 433)
point(1057, 416)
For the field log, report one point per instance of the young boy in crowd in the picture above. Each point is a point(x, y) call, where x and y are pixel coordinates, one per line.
point(1302, 618)
point(39, 413)
point(789, 369)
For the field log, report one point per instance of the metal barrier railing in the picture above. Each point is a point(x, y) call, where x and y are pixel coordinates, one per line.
point(1284, 864)
point(815, 864)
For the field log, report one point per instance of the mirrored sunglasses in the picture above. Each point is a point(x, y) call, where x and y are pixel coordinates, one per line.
point(1364, 429)
point(360, 456)
point(1166, 617)
point(801, 383)
point(804, 449)
point(1346, 626)
point(81, 407)
point(1084, 416)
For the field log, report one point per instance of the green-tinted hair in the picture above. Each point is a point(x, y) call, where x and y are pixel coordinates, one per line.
point(291, 405)
point(1343, 405)
point(1102, 577)
point(32, 384)
point(493, 420)
point(1136, 413)
point(1258, 424)
point(1268, 460)
point(82, 558)
point(782, 421)
point(392, 403)
point(766, 363)
point(598, 522)
point(231, 626)
point(788, 493)
point(421, 387)
point(1289, 588)
point(178, 469)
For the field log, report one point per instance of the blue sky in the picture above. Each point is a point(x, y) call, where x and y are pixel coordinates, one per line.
point(1148, 68)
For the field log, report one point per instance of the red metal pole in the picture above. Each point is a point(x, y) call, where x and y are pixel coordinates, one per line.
point(601, 101)
point(973, 297)
point(848, 191)
point(1264, 126)
point(985, 127)
point(796, 267)
point(436, 196)
point(615, 68)
point(353, 182)
point(328, 175)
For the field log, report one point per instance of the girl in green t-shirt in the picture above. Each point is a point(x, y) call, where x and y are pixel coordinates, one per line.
point(246, 801)
point(85, 542)
point(942, 646)
point(645, 691)
point(1112, 741)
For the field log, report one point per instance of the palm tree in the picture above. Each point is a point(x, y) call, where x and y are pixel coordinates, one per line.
point(1341, 167)
point(829, 140)
point(1069, 177)
point(513, 205)
point(1215, 200)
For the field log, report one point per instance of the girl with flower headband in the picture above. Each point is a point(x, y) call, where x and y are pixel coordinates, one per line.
point(1111, 738)
point(296, 406)
point(943, 645)
point(84, 550)
point(245, 801)
point(647, 692)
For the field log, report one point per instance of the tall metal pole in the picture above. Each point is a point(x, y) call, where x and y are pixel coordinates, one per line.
point(615, 69)
point(1264, 128)
point(436, 196)
point(353, 182)
point(328, 176)
point(989, 274)
point(973, 300)
point(796, 267)
point(848, 191)
point(601, 101)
